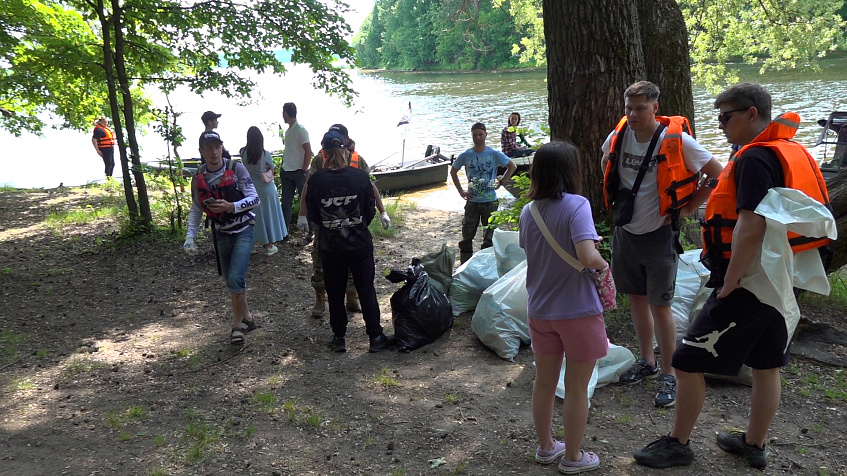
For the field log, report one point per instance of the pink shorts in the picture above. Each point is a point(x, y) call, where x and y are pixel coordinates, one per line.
point(581, 340)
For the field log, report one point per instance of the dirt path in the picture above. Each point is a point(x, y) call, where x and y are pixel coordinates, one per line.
point(114, 359)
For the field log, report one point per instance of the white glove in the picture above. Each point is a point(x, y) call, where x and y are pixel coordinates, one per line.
point(386, 221)
point(302, 223)
point(189, 246)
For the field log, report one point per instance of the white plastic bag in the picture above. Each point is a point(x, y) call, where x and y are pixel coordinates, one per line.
point(471, 279)
point(691, 276)
point(500, 319)
point(507, 250)
point(607, 370)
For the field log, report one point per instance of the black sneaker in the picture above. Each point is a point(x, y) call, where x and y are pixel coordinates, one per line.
point(639, 371)
point(337, 344)
point(381, 342)
point(666, 396)
point(734, 442)
point(664, 453)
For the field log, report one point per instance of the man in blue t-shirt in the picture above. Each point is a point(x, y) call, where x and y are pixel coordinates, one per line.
point(480, 164)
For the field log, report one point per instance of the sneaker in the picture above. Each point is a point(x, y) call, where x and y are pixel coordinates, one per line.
point(549, 456)
point(639, 371)
point(664, 453)
point(735, 443)
point(271, 251)
point(380, 343)
point(337, 344)
point(588, 462)
point(666, 396)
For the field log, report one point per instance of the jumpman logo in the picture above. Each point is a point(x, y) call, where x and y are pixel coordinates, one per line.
point(709, 340)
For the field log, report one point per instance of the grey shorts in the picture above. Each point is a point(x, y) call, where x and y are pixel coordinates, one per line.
point(735, 330)
point(645, 265)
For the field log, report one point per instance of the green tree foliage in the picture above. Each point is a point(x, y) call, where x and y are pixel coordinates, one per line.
point(76, 59)
point(464, 34)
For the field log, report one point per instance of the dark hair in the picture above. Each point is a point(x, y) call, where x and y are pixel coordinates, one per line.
point(747, 95)
point(255, 148)
point(290, 109)
point(642, 88)
point(478, 125)
point(514, 114)
point(555, 171)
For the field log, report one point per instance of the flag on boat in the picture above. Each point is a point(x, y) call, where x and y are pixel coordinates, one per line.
point(407, 116)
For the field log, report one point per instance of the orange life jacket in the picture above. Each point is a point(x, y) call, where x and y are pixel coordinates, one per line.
point(227, 190)
point(354, 159)
point(676, 184)
point(108, 140)
point(800, 171)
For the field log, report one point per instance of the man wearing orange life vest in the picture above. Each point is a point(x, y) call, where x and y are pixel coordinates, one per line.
point(734, 327)
point(104, 143)
point(318, 163)
point(659, 155)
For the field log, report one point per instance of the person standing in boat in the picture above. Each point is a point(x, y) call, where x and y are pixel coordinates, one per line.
point(104, 143)
point(509, 138)
point(319, 163)
point(480, 163)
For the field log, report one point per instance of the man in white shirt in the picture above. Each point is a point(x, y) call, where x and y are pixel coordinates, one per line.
point(295, 159)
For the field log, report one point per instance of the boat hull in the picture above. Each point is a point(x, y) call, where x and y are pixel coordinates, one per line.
point(408, 179)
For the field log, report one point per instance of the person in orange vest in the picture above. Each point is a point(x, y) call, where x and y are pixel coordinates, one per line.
point(318, 163)
point(104, 143)
point(734, 327)
point(652, 166)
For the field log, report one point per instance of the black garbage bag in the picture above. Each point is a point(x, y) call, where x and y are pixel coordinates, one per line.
point(419, 311)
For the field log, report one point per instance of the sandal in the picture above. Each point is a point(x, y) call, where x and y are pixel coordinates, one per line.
point(589, 461)
point(237, 336)
point(251, 326)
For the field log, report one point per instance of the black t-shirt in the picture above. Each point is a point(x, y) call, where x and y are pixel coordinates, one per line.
point(342, 202)
point(758, 170)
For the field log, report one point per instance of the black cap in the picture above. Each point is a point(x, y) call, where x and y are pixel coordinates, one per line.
point(478, 125)
point(340, 129)
point(209, 137)
point(332, 140)
point(208, 116)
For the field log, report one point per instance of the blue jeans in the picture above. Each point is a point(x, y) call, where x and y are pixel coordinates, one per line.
point(234, 252)
point(290, 181)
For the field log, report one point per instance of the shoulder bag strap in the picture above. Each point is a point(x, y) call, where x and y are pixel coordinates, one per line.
point(549, 237)
point(645, 164)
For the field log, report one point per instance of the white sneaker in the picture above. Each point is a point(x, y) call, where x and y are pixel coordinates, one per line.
point(271, 251)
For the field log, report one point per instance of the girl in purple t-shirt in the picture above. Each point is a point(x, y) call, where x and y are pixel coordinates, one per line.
point(565, 313)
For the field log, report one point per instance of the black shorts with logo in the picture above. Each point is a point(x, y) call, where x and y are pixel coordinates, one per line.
point(732, 331)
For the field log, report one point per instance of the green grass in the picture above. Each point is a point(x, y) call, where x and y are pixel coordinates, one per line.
point(385, 379)
point(199, 437)
point(314, 419)
point(81, 216)
point(131, 414)
point(41, 353)
point(159, 471)
point(184, 352)
point(265, 401)
point(451, 398)
point(159, 441)
point(397, 211)
point(9, 342)
point(21, 384)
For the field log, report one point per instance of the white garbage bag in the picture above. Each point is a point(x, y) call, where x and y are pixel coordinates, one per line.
point(471, 279)
point(500, 319)
point(607, 370)
point(507, 250)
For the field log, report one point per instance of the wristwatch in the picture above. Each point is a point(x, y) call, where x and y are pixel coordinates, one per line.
point(710, 183)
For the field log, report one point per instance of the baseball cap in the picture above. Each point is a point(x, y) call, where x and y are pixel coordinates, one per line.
point(478, 125)
point(340, 129)
point(208, 116)
point(209, 137)
point(332, 140)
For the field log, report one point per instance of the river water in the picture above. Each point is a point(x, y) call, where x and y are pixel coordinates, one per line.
point(444, 105)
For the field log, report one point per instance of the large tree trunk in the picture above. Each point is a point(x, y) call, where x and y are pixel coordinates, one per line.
point(837, 187)
point(664, 37)
point(129, 117)
point(108, 67)
point(593, 53)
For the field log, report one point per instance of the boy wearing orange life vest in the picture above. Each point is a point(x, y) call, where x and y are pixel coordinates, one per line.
point(734, 327)
point(104, 143)
point(659, 154)
point(224, 191)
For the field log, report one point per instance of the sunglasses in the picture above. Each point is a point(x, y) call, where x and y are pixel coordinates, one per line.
point(724, 117)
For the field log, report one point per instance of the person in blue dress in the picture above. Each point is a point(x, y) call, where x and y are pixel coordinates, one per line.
point(270, 224)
